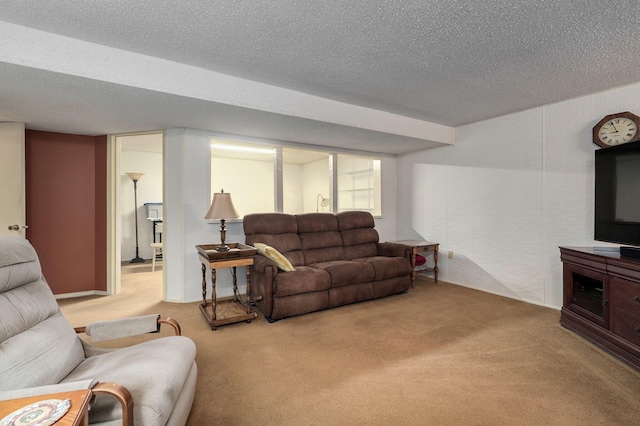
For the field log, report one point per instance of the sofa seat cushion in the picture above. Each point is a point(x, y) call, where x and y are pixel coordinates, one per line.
point(152, 374)
point(304, 279)
point(387, 267)
point(344, 272)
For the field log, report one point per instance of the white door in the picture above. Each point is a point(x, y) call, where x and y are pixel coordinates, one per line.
point(12, 188)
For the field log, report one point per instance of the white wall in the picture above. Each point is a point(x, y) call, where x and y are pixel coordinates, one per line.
point(316, 181)
point(292, 185)
point(249, 182)
point(508, 193)
point(149, 191)
point(187, 184)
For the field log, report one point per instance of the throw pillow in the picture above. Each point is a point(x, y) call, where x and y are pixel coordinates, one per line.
point(273, 254)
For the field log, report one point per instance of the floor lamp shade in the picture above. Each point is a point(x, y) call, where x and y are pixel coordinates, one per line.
point(135, 177)
point(221, 209)
point(321, 202)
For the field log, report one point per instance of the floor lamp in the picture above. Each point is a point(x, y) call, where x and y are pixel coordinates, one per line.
point(135, 177)
point(321, 202)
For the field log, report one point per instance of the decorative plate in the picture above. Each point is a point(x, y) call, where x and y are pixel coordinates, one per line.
point(43, 413)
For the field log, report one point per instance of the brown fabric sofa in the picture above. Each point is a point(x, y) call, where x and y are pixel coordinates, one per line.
point(337, 258)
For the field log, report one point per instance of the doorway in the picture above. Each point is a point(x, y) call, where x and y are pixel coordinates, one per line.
point(139, 179)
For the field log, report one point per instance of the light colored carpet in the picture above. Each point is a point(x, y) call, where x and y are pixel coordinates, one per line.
point(440, 354)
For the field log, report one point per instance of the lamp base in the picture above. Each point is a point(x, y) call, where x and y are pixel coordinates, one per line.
point(223, 247)
point(137, 260)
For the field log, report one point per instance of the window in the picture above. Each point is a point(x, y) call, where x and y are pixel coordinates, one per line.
point(247, 172)
point(265, 178)
point(306, 181)
point(359, 184)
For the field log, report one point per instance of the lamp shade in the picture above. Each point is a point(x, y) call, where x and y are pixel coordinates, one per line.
point(221, 207)
point(135, 176)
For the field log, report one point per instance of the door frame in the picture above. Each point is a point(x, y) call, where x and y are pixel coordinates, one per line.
point(114, 213)
point(15, 131)
point(114, 231)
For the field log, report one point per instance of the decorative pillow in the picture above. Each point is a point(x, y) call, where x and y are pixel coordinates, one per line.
point(273, 254)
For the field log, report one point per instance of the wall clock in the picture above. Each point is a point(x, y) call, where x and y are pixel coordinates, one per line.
point(616, 129)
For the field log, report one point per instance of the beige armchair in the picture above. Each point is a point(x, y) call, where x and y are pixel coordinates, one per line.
point(151, 383)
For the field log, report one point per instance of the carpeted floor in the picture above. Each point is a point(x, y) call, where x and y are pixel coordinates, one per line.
point(440, 354)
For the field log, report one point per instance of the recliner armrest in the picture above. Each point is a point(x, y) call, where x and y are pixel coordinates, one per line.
point(122, 395)
point(115, 329)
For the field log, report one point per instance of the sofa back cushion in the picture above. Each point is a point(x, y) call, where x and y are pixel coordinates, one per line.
point(359, 237)
point(277, 230)
point(38, 346)
point(319, 236)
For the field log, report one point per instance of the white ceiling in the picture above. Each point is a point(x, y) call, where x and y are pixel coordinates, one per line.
point(389, 76)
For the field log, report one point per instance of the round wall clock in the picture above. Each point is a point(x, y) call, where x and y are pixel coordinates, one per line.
point(616, 129)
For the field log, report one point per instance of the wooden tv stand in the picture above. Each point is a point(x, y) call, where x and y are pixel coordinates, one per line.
point(602, 300)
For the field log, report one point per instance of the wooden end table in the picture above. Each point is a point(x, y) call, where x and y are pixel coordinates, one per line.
point(78, 414)
point(420, 246)
point(228, 310)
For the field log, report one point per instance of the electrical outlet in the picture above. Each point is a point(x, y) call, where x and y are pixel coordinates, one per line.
point(450, 254)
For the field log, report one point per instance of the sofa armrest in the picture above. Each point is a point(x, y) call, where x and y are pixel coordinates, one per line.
point(115, 329)
point(263, 273)
point(394, 250)
point(260, 263)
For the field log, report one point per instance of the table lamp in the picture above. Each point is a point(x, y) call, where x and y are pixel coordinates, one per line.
point(222, 208)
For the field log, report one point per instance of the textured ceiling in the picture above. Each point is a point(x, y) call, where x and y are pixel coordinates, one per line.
point(449, 62)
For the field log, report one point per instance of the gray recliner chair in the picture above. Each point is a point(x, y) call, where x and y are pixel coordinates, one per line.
point(151, 383)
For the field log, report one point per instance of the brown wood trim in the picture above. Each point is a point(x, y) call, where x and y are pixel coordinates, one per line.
point(122, 395)
point(173, 323)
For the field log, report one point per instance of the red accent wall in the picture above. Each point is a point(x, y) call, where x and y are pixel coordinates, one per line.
point(66, 198)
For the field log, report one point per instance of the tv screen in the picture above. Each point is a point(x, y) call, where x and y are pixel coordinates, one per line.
point(617, 196)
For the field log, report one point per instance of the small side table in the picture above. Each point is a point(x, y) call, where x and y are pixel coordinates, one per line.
point(78, 414)
point(232, 310)
point(419, 246)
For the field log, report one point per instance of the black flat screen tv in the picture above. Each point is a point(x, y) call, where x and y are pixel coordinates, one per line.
point(617, 194)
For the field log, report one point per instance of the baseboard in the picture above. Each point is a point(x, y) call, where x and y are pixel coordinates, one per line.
point(81, 294)
point(521, 299)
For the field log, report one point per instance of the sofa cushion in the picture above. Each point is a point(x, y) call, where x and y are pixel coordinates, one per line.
point(269, 223)
point(391, 286)
point(299, 304)
point(354, 220)
point(317, 222)
point(277, 230)
point(339, 296)
point(326, 254)
point(319, 238)
point(387, 267)
point(344, 273)
point(359, 237)
point(155, 388)
point(304, 279)
point(360, 251)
